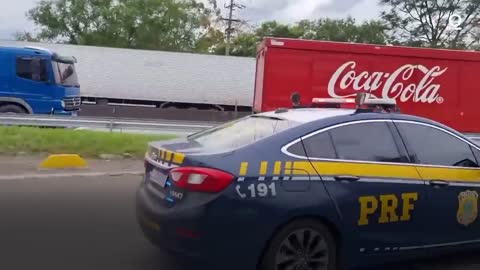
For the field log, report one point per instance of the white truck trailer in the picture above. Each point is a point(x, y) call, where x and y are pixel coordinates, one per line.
point(159, 78)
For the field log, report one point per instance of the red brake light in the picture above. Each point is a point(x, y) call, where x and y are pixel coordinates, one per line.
point(201, 179)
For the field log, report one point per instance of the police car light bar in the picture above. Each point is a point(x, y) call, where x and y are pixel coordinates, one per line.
point(380, 102)
point(365, 99)
point(333, 100)
point(366, 104)
point(361, 100)
point(346, 103)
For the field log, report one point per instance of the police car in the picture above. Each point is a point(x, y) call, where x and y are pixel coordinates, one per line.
point(331, 187)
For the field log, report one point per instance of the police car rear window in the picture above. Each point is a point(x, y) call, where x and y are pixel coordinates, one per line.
point(242, 132)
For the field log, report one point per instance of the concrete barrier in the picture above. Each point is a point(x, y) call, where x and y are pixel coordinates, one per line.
point(64, 161)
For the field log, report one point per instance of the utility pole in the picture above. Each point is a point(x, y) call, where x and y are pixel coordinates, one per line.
point(229, 31)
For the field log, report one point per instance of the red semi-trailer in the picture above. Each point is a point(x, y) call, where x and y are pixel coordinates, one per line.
point(439, 84)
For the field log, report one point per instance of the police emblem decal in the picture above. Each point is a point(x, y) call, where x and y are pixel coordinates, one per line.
point(467, 207)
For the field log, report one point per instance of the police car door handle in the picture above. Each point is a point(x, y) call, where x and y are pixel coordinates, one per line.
point(347, 178)
point(439, 183)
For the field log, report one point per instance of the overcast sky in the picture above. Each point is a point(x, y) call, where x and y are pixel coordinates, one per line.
point(13, 18)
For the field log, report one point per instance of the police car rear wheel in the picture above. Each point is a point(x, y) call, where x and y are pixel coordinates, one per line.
point(301, 245)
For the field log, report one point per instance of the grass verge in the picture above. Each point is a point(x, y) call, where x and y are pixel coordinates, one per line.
point(89, 144)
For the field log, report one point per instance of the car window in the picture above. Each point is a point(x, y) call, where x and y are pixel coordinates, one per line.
point(366, 142)
point(476, 153)
point(436, 147)
point(32, 69)
point(319, 146)
point(297, 149)
point(241, 132)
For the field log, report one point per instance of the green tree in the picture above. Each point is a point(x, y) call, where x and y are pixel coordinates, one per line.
point(373, 32)
point(343, 30)
point(176, 25)
point(70, 21)
point(212, 38)
point(25, 36)
point(244, 44)
point(146, 24)
point(275, 29)
point(433, 23)
point(211, 41)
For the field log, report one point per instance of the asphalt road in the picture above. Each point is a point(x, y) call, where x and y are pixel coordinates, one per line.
point(74, 223)
point(88, 223)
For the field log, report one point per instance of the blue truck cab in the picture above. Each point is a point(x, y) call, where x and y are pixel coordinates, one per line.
point(38, 81)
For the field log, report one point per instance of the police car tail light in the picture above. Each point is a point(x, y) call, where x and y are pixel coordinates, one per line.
point(201, 179)
point(175, 176)
point(196, 179)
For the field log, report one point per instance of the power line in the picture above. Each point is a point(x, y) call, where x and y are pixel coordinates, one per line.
point(230, 20)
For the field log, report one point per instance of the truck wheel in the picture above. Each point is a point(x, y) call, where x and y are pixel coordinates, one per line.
point(11, 108)
point(303, 245)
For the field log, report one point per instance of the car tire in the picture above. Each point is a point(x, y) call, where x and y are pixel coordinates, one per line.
point(11, 108)
point(284, 249)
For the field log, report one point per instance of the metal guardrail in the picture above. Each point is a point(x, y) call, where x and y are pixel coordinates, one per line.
point(102, 123)
point(117, 123)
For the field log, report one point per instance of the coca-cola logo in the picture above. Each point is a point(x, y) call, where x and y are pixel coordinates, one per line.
point(388, 85)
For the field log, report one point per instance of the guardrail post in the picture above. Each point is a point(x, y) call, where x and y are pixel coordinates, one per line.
point(111, 125)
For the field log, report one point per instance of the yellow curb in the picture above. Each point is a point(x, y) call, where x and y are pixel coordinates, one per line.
point(63, 162)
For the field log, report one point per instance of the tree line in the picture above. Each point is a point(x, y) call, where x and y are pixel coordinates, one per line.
point(195, 26)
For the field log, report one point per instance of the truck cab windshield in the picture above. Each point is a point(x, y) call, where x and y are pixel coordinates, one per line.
point(65, 74)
